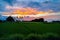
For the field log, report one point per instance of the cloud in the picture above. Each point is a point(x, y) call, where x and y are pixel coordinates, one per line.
point(53, 5)
point(10, 2)
point(3, 5)
point(43, 5)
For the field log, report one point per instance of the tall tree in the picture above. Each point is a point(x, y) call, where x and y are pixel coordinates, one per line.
point(39, 20)
point(10, 19)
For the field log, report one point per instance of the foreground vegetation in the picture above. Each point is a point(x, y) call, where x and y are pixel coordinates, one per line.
point(29, 31)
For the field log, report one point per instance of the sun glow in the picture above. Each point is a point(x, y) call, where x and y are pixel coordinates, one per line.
point(27, 11)
point(31, 12)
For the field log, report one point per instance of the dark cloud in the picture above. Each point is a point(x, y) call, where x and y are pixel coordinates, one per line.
point(39, 4)
point(34, 4)
point(10, 1)
point(2, 5)
point(53, 5)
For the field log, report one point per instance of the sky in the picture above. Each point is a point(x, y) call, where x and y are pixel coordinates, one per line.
point(38, 5)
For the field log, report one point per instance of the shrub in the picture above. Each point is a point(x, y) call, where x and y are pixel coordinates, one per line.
point(33, 37)
point(51, 37)
point(16, 37)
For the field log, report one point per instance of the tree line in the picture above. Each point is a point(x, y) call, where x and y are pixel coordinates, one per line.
point(11, 19)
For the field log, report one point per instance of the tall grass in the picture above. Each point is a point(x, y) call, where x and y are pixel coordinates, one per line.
point(39, 30)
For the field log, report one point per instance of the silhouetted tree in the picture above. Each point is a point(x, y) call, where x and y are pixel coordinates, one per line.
point(38, 20)
point(56, 21)
point(0, 20)
point(10, 19)
point(41, 19)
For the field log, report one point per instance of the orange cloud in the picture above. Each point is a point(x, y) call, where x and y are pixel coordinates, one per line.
point(27, 11)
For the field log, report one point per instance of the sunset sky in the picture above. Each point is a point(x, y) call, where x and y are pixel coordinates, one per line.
point(30, 7)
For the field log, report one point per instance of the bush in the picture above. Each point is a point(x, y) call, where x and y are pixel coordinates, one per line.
point(46, 36)
point(51, 37)
point(16, 37)
point(33, 37)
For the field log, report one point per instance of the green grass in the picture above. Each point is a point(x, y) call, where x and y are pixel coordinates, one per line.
point(25, 28)
point(29, 27)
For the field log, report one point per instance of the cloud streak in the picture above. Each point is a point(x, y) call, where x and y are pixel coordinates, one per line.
point(41, 5)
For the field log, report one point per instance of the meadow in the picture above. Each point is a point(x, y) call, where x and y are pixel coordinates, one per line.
point(25, 28)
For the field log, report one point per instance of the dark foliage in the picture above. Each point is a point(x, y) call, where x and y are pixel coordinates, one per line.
point(52, 38)
point(10, 19)
point(33, 38)
point(16, 38)
point(38, 20)
point(0, 20)
point(55, 21)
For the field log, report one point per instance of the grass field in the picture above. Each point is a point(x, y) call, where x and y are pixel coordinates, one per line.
point(25, 28)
